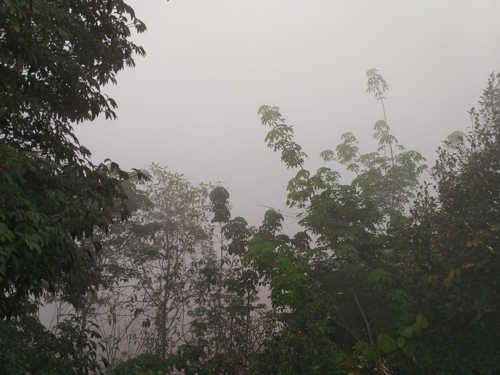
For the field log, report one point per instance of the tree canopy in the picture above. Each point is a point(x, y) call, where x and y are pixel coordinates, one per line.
point(52, 195)
point(55, 56)
point(150, 273)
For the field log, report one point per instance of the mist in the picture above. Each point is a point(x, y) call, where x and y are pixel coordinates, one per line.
point(192, 103)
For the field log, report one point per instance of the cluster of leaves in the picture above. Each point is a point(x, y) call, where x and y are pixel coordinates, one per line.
point(55, 56)
point(161, 266)
point(454, 237)
point(228, 318)
point(401, 278)
point(144, 364)
point(27, 347)
point(52, 195)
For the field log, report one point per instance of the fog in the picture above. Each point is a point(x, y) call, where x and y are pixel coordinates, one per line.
point(192, 103)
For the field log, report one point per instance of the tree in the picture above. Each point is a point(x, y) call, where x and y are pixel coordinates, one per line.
point(54, 58)
point(154, 262)
point(390, 175)
point(26, 347)
point(344, 293)
point(166, 263)
point(109, 307)
point(453, 239)
point(228, 319)
point(402, 279)
point(52, 196)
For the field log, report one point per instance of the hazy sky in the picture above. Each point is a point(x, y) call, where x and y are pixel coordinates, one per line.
point(192, 103)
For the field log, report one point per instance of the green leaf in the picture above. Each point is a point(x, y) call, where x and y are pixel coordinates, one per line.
point(422, 321)
point(409, 350)
point(406, 331)
point(401, 342)
point(369, 353)
point(387, 345)
point(360, 345)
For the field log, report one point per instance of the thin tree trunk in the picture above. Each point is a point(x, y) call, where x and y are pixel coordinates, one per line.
point(219, 308)
point(163, 323)
point(247, 335)
point(372, 343)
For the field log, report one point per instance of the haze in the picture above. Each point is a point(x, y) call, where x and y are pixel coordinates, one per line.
point(192, 103)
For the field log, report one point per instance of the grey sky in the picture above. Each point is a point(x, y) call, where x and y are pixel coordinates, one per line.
point(192, 103)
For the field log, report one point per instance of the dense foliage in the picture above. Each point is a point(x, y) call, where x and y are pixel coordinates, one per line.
point(51, 78)
point(149, 273)
point(54, 58)
point(403, 278)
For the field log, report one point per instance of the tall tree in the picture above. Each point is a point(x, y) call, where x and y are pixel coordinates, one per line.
point(454, 238)
point(343, 293)
point(154, 261)
point(402, 279)
point(54, 58)
point(228, 318)
point(168, 264)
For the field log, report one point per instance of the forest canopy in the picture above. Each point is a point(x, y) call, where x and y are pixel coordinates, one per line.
point(150, 273)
